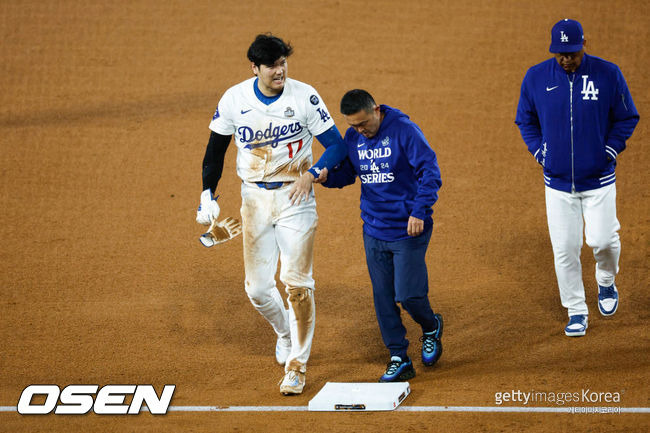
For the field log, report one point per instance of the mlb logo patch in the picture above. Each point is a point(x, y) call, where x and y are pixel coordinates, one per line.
point(216, 114)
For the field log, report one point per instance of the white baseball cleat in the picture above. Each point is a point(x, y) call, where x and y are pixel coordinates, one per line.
point(293, 382)
point(282, 349)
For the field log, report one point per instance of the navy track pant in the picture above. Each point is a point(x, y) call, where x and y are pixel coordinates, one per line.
point(398, 273)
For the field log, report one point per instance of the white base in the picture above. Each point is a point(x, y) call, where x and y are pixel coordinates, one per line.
point(354, 397)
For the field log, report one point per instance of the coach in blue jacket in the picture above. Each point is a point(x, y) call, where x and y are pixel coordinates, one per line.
point(400, 180)
point(575, 113)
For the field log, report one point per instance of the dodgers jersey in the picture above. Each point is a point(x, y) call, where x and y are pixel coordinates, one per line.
point(274, 142)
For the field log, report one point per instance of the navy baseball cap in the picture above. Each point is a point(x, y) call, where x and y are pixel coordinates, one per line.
point(566, 37)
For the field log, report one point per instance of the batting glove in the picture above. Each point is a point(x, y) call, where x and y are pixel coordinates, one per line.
point(208, 209)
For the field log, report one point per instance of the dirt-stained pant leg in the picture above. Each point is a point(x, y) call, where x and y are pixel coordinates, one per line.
point(295, 231)
point(261, 256)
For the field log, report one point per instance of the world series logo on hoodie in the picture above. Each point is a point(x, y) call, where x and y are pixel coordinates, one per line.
point(378, 172)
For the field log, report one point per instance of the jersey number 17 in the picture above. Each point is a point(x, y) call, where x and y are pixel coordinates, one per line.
point(290, 147)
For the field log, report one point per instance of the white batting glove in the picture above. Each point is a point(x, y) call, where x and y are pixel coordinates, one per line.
point(208, 209)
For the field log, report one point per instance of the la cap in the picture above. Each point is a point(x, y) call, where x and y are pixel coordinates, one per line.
point(566, 37)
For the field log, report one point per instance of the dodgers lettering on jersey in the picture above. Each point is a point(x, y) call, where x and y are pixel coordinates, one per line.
point(274, 142)
point(272, 135)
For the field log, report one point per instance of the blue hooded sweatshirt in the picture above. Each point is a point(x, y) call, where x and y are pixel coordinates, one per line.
point(399, 175)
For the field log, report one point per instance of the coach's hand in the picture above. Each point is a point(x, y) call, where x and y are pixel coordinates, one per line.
point(415, 226)
point(301, 188)
point(208, 209)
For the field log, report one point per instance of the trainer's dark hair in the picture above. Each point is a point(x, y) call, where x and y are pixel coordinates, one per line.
point(355, 101)
point(266, 49)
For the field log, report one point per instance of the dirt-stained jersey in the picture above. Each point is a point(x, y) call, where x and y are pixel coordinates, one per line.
point(274, 142)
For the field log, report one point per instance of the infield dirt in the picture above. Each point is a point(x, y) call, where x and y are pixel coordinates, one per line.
point(104, 121)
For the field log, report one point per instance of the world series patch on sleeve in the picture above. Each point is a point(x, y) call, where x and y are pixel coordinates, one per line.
point(221, 231)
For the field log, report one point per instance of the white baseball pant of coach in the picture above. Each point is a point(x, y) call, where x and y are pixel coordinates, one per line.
point(273, 227)
point(565, 213)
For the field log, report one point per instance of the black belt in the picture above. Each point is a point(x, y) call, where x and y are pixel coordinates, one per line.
point(270, 185)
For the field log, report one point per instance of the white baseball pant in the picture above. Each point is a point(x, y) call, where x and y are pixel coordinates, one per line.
point(565, 213)
point(273, 228)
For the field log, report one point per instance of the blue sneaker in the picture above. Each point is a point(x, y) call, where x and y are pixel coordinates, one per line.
point(607, 299)
point(431, 344)
point(398, 370)
point(577, 325)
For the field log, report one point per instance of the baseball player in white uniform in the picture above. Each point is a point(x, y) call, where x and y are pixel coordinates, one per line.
point(274, 120)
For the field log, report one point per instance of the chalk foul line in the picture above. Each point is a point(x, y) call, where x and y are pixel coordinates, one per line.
point(502, 409)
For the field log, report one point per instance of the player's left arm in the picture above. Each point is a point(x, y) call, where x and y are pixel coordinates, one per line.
point(623, 117)
point(335, 151)
point(320, 123)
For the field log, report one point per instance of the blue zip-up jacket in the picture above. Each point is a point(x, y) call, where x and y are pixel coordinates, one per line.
point(575, 125)
point(399, 175)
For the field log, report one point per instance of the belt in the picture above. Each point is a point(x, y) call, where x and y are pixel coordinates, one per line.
point(270, 185)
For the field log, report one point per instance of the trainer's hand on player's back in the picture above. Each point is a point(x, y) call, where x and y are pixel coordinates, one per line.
point(301, 188)
point(322, 177)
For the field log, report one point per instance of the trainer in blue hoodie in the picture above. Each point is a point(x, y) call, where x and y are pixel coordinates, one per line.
point(575, 114)
point(400, 180)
